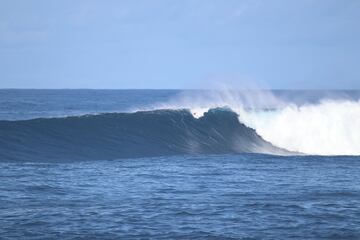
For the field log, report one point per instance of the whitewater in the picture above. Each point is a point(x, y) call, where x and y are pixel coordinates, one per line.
point(327, 128)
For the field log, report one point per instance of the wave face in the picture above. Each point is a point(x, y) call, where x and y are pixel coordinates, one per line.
point(128, 135)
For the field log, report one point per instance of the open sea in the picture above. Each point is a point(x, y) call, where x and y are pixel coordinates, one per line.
point(173, 164)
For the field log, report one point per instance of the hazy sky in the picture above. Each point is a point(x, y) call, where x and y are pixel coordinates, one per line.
point(179, 43)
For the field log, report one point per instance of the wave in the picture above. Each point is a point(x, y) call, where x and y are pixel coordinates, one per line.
point(129, 135)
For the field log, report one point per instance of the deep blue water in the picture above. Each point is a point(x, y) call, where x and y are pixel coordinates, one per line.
point(193, 197)
point(225, 195)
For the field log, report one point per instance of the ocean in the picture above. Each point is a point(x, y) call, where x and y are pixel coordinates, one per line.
point(179, 164)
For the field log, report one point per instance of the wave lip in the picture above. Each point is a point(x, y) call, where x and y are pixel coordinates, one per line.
point(129, 135)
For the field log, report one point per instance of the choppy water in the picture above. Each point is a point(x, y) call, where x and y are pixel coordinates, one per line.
point(200, 197)
point(170, 195)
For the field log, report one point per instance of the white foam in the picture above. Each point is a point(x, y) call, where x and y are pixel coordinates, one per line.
point(327, 128)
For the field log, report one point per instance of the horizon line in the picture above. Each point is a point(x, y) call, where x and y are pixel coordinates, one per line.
point(192, 89)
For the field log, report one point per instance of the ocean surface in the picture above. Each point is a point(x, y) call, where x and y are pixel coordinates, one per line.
point(175, 164)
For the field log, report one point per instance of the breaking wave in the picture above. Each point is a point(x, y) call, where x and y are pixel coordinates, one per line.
point(213, 122)
point(328, 126)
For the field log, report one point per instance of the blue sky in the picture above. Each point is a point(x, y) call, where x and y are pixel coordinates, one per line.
point(307, 44)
